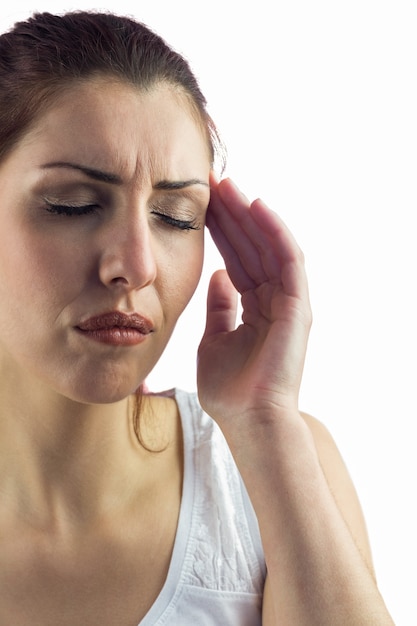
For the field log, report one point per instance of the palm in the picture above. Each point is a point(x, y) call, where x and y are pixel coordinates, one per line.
point(260, 362)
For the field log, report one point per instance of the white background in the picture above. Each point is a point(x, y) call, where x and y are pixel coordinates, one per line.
point(317, 102)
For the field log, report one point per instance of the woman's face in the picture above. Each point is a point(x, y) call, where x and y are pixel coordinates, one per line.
point(102, 208)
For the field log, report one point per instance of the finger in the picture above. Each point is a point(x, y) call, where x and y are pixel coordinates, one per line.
point(221, 305)
point(262, 225)
point(270, 227)
point(266, 239)
point(282, 255)
point(233, 261)
point(241, 256)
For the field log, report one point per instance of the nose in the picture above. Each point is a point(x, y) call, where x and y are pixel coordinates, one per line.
point(128, 256)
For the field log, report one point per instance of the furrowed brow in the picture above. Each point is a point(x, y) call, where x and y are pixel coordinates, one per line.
point(114, 179)
point(105, 177)
point(172, 185)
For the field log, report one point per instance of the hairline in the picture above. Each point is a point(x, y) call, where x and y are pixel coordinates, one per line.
point(58, 89)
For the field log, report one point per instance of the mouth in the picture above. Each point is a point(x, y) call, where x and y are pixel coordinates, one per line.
point(116, 328)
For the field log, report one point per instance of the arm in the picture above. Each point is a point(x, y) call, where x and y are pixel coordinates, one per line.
point(316, 549)
point(358, 594)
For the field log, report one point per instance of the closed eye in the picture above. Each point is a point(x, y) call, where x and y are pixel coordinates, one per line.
point(71, 210)
point(177, 223)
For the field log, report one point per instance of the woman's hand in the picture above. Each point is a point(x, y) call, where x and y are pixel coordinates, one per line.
point(254, 369)
point(313, 536)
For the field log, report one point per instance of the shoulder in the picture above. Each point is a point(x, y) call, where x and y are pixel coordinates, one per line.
point(324, 442)
point(327, 450)
point(340, 484)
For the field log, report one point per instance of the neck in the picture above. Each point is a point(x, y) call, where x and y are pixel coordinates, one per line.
point(62, 462)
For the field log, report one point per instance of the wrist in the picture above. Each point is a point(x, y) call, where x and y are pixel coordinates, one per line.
point(266, 433)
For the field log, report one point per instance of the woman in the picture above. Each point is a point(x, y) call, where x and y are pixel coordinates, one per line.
point(120, 507)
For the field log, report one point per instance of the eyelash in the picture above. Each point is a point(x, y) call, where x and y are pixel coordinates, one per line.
point(87, 209)
point(176, 223)
point(71, 210)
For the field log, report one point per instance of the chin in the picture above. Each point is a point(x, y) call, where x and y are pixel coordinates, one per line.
point(100, 391)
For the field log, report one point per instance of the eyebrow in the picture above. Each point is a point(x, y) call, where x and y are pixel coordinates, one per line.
point(114, 179)
point(179, 184)
point(99, 175)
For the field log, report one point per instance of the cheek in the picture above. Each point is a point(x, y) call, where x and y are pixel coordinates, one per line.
point(24, 292)
point(180, 279)
point(34, 272)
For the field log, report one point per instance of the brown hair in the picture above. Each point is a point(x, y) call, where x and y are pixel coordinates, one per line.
point(44, 55)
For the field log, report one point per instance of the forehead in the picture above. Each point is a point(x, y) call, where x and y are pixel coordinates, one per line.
point(113, 126)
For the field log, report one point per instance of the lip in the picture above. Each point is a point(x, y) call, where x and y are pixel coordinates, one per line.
point(116, 328)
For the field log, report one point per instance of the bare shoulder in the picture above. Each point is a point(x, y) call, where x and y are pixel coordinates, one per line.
point(340, 485)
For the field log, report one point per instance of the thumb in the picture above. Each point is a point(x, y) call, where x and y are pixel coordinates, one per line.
point(221, 305)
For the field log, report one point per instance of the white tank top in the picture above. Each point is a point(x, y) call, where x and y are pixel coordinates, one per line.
point(217, 570)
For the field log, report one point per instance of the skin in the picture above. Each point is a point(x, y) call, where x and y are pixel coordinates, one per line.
point(75, 483)
point(78, 493)
point(125, 260)
point(316, 548)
